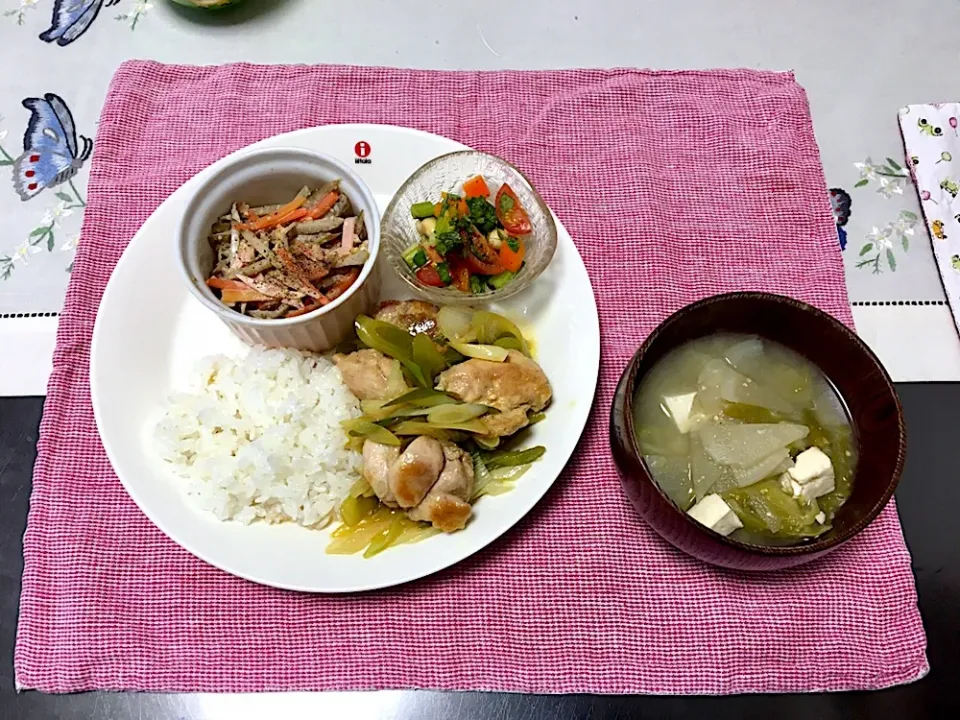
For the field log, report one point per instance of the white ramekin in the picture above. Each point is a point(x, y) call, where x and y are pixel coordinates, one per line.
point(263, 177)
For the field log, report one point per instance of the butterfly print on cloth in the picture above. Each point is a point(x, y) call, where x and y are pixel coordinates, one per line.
point(72, 18)
point(51, 153)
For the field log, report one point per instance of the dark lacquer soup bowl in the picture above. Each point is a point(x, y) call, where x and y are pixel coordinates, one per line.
point(845, 360)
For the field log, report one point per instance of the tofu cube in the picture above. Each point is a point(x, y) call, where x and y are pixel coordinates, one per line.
point(680, 408)
point(808, 492)
point(811, 464)
point(812, 476)
point(713, 512)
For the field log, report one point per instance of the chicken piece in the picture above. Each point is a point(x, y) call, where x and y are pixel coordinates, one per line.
point(371, 375)
point(514, 387)
point(414, 316)
point(416, 470)
point(377, 459)
point(506, 423)
point(447, 504)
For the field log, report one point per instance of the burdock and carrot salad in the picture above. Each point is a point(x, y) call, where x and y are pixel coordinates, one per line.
point(281, 261)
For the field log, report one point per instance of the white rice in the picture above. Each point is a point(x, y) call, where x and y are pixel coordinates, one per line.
point(260, 437)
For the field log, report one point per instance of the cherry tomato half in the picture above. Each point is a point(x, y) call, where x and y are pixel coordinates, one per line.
point(460, 272)
point(510, 213)
point(428, 275)
point(482, 258)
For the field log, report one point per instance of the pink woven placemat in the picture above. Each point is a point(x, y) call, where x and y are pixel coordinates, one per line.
point(674, 186)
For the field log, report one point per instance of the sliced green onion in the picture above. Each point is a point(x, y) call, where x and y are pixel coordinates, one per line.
point(455, 323)
point(510, 343)
point(482, 352)
point(361, 427)
point(491, 327)
point(508, 474)
point(359, 488)
point(386, 538)
point(371, 407)
point(393, 342)
point(481, 476)
point(355, 509)
point(487, 442)
point(510, 458)
point(494, 488)
point(444, 414)
point(493, 482)
point(403, 412)
point(428, 357)
point(416, 427)
point(421, 397)
point(477, 286)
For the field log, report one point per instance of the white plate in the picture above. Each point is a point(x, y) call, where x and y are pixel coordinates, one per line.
point(143, 351)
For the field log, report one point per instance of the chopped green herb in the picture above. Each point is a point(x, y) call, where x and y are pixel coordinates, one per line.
point(513, 244)
point(447, 242)
point(422, 210)
point(506, 203)
point(482, 214)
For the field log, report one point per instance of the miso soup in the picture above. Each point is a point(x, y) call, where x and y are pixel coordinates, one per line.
point(748, 437)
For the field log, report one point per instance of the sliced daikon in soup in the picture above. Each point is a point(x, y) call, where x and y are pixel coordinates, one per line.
point(673, 477)
point(777, 462)
point(744, 445)
point(705, 472)
point(720, 383)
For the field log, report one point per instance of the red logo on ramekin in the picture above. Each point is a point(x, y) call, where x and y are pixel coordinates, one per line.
point(362, 149)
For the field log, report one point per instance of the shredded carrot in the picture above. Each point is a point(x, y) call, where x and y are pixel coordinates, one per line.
point(343, 284)
point(436, 209)
point(275, 218)
point(292, 216)
point(432, 253)
point(309, 308)
point(462, 207)
point(229, 297)
point(221, 284)
point(324, 206)
point(476, 187)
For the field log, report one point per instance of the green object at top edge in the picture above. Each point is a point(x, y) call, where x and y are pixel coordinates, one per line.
point(206, 4)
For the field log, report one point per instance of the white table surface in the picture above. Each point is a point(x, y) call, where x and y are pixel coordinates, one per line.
point(859, 62)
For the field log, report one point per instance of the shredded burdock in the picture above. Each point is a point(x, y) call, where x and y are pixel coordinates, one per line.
point(282, 261)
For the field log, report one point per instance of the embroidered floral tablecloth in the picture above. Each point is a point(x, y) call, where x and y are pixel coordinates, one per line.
point(59, 55)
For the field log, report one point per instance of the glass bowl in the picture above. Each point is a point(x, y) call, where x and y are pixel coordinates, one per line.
point(447, 173)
